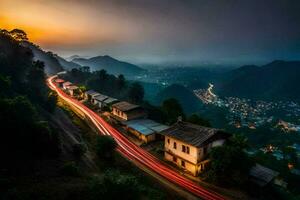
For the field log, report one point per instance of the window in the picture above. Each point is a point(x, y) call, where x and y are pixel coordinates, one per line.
point(183, 148)
point(188, 150)
point(168, 141)
point(182, 163)
point(174, 159)
point(205, 150)
point(174, 145)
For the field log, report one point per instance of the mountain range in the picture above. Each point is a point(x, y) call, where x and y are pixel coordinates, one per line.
point(111, 65)
point(276, 80)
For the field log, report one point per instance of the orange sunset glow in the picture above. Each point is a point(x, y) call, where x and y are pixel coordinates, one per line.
point(60, 23)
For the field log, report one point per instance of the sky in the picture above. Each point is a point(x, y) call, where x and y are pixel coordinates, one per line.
point(161, 31)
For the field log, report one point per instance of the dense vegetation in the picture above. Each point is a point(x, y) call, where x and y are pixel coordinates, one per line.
point(26, 134)
point(230, 164)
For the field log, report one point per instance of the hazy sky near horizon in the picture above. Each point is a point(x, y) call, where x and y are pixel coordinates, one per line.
point(155, 31)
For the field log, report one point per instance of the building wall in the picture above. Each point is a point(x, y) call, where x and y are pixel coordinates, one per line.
point(119, 113)
point(190, 167)
point(145, 138)
point(192, 156)
point(71, 92)
point(128, 115)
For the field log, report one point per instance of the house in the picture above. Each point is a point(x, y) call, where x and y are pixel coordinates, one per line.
point(125, 111)
point(103, 100)
point(72, 89)
point(187, 145)
point(263, 176)
point(66, 84)
point(90, 95)
point(109, 101)
point(98, 100)
point(59, 82)
point(145, 129)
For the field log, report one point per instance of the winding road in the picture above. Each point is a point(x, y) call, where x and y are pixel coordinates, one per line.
point(135, 153)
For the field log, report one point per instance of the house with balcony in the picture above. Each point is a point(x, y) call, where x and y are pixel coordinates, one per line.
point(187, 145)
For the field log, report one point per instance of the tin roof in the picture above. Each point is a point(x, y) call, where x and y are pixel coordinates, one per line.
point(146, 126)
point(190, 133)
point(110, 100)
point(101, 97)
point(72, 87)
point(262, 175)
point(125, 106)
point(67, 83)
point(90, 92)
point(59, 80)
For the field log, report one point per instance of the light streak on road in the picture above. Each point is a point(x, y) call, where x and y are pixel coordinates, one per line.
point(135, 153)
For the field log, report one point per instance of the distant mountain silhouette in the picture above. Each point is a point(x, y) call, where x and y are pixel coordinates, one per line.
point(110, 64)
point(73, 57)
point(52, 65)
point(68, 65)
point(276, 80)
point(189, 102)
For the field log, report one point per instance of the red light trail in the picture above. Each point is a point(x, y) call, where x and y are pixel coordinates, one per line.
point(134, 152)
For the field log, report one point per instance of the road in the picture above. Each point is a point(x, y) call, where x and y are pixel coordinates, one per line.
point(136, 153)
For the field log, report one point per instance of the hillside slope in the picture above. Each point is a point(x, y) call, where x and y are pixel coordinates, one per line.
point(52, 65)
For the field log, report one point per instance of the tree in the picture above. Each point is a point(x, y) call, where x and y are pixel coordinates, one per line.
point(230, 163)
point(121, 82)
point(18, 35)
point(102, 75)
point(173, 110)
point(195, 119)
point(136, 93)
point(105, 147)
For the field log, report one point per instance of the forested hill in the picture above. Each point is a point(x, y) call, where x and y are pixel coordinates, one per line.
point(52, 65)
point(111, 65)
point(190, 103)
point(276, 80)
point(25, 133)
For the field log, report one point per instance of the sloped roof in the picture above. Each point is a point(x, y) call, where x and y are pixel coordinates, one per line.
point(101, 97)
point(59, 80)
point(67, 83)
point(72, 87)
point(110, 100)
point(146, 126)
point(125, 106)
point(190, 133)
point(262, 175)
point(90, 92)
